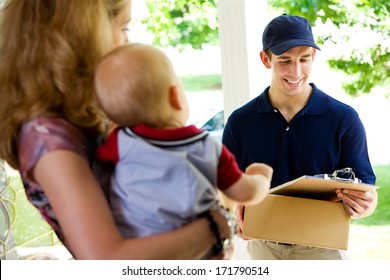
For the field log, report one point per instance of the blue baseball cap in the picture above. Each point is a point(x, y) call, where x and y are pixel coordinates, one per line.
point(285, 32)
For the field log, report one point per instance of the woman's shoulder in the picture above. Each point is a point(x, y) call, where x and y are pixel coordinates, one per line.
point(49, 123)
point(53, 131)
point(43, 134)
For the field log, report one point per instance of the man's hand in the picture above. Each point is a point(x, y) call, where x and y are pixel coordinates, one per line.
point(358, 204)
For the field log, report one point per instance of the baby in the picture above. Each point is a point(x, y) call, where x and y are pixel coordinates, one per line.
point(166, 173)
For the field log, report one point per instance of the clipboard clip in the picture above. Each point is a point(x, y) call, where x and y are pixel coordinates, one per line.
point(342, 175)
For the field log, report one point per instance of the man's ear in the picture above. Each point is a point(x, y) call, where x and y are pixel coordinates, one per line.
point(174, 98)
point(313, 53)
point(265, 59)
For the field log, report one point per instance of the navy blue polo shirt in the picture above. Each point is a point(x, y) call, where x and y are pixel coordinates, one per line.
point(324, 136)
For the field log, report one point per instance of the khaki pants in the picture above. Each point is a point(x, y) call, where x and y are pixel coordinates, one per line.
point(267, 250)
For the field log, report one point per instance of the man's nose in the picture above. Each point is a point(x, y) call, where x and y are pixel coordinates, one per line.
point(296, 69)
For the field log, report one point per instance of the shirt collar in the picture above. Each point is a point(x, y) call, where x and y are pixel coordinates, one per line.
point(166, 134)
point(264, 104)
point(315, 106)
point(317, 102)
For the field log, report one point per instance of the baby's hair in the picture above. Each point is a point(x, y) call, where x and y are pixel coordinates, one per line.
point(131, 83)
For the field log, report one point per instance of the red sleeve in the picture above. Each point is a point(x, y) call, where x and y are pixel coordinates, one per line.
point(108, 151)
point(228, 170)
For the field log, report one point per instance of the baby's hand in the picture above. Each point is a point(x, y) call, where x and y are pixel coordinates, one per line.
point(260, 169)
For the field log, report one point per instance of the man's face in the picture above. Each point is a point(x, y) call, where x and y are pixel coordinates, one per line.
point(291, 70)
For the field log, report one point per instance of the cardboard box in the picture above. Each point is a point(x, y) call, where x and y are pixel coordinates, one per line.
point(299, 212)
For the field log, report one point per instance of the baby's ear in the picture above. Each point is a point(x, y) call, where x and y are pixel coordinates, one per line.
point(174, 98)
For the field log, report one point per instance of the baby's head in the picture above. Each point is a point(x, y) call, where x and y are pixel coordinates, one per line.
point(136, 84)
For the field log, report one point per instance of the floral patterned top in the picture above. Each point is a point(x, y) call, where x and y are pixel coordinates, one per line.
point(37, 138)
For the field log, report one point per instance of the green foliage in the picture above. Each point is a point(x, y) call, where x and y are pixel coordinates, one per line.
point(381, 216)
point(201, 83)
point(180, 23)
point(369, 68)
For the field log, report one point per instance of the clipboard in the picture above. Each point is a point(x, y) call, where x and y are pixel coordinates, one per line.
point(318, 188)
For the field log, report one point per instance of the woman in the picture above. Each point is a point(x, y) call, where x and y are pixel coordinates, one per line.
point(50, 123)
